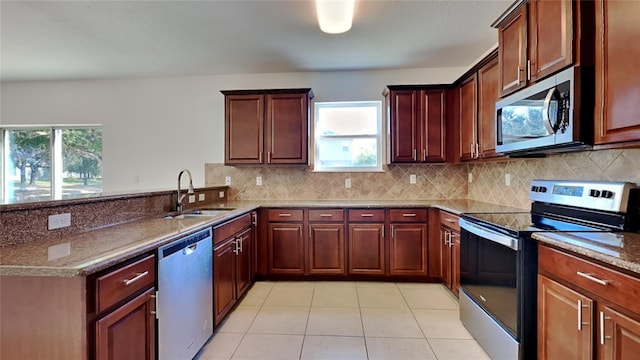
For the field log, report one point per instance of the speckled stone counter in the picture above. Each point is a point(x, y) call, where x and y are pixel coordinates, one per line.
point(625, 255)
point(91, 251)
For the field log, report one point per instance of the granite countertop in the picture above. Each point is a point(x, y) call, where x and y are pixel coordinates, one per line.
point(90, 251)
point(623, 251)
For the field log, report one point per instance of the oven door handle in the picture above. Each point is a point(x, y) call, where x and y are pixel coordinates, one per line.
point(489, 234)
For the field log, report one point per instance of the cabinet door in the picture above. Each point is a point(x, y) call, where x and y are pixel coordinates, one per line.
point(244, 259)
point(512, 51)
point(551, 37)
point(404, 141)
point(244, 115)
point(445, 256)
point(326, 249)
point(408, 249)
point(432, 126)
point(366, 249)
point(621, 337)
point(455, 263)
point(286, 248)
point(224, 275)
point(286, 128)
point(488, 77)
point(565, 322)
point(129, 332)
point(617, 71)
point(468, 137)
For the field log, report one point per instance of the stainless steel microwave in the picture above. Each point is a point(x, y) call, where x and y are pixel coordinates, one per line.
point(546, 117)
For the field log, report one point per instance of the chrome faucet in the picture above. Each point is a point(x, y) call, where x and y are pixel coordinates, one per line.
point(180, 195)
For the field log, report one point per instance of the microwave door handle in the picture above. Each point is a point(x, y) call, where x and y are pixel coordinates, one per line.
point(545, 113)
point(489, 234)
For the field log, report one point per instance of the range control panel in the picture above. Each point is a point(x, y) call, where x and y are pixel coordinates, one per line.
point(598, 195)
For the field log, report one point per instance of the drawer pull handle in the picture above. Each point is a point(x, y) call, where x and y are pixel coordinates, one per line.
point(284, 215)
point(409, 215)
point(366, 215)
point(592, 278)
point(135, 278)
point(449, 220)
point(326, 215)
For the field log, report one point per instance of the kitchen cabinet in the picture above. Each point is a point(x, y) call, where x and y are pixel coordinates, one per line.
point(449, 236)
point(585, 309)
point(286, 241)
point(408, 242)
point(232, 264)
point(488, 79)
point(478, 94)
point(367, 242)
point(267, 126)
point(539, 38)
point(124, 299)
point(326, 242)
point(617, 72)
point(416, 124)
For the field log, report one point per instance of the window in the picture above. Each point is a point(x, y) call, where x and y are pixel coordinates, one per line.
point(49, 162)
point(348, 136)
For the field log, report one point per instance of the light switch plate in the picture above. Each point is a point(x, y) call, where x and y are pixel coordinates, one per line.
point(412, 179)
point(201, 197)
point(259, 180)
point(192, 199)
point(469, 178)
point(507, 179)
point(58, 221)
point(347, 183)
point(221, 194)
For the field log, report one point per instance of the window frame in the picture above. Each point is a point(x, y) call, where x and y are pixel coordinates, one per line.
point(378, 137)
point(56, 160)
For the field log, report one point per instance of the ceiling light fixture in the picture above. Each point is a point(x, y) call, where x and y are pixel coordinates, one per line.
point(335, 16)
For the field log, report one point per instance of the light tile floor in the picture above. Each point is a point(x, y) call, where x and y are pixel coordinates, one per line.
point(344, 320)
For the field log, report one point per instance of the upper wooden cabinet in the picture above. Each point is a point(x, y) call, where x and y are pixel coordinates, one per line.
point(536, 39)
point(468, 115)
point(416, 124)
point(267, 126)
point(617, 72)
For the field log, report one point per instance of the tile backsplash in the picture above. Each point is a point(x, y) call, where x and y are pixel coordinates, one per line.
point(447, 181)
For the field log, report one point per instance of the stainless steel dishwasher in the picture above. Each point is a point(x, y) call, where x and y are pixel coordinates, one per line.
point(185, 296)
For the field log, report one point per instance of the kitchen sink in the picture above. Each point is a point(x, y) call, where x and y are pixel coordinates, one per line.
point(202, 213)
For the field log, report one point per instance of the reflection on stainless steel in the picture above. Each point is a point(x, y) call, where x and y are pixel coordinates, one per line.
point(606, 243)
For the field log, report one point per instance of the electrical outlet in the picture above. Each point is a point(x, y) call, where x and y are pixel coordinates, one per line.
point(192, 199)
point(227, 180)
point(347, 183)
point(58, 221)
point(221, 194)
point(412, 179)
point(507, 179)
point(469, 178)
point(201, 197)
point(259, 180)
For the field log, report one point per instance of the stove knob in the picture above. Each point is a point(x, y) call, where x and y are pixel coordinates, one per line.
point(607, 194)
point(594, 193)
point(542, 189)
point(534, 189)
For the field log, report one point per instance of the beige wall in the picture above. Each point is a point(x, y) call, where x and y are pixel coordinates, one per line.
point(434, 181)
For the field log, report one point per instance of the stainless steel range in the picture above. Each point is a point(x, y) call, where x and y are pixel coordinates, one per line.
point(498, 258)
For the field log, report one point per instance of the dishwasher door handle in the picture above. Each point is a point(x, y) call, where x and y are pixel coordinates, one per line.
point(189, 249)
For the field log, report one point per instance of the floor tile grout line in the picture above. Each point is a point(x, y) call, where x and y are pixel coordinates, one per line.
point(254, 317)
point(306, 325)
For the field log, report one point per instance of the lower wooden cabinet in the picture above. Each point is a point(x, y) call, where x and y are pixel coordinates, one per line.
point(129, 332)
point(325, 253)
point(447, 248)
point(366, 249)
point(585, 310)
point(233, 265)
point(408, 242)
point(565, 322)
point(286, 248)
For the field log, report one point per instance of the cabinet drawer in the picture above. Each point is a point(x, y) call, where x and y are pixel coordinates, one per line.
point(601, 281)
point(408, 215)
point(121, 283)
point(326, 215)
point(366, 215)
point(285, 215)
point(449, 220)
point(231, 228)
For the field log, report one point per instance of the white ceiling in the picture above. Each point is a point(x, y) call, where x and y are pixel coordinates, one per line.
point(56, 40)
